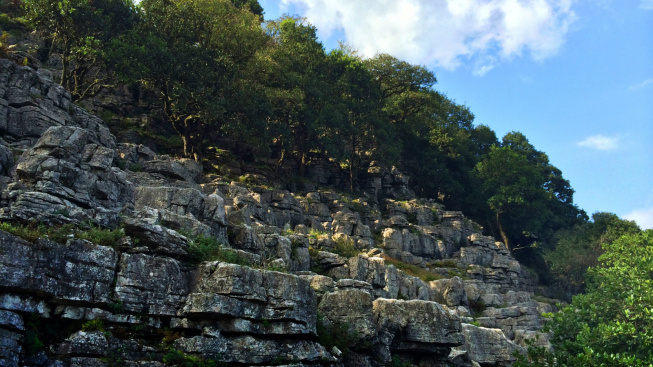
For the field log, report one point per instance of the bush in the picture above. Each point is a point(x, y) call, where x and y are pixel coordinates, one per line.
point(345, 247)
point(93, 325)
point(204, 248)
point(336, 334)
point(612, 324)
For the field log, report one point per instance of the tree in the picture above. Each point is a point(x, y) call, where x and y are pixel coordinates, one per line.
point(363, 131)
point(578, 248)
point(305, 114)
point(82, 31)
point(514, 190)
point(612, 324)
point(192, 53)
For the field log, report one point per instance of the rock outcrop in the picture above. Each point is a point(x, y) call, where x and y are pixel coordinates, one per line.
point(300, 279)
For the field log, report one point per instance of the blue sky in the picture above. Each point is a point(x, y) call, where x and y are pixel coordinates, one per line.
point(575, 76)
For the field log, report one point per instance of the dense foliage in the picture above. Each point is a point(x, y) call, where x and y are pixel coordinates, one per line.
point(612, 323)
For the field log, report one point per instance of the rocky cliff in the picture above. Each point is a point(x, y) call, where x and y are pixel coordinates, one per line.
point(315, 278)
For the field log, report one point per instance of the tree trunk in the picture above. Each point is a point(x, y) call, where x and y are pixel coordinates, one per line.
point(302, 164)
point(501, 230)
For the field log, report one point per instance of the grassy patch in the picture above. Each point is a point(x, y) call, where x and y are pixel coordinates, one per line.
point(316, 234)
point(448, 263)
point(174, 357)
point(210, 249)
point(416, 271)
point(60, 234)
point(93, 325)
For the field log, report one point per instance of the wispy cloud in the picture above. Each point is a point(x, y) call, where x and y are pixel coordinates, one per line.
point(642, 84)
point(446, 32)
point(600, 142)
point(646, 4)
point(643, 217)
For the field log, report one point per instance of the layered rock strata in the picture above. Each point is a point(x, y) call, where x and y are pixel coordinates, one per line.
point(330, 279)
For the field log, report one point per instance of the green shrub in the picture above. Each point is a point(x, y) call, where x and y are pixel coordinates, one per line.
point(203, 248)
point(345, 247)
point(136, 167)
point(93, 325)
point(336, 334)
point(476, 307)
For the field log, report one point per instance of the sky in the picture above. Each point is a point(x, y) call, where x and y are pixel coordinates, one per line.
point(575, 76)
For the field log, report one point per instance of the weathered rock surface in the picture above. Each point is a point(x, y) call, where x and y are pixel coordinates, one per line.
point(60, 164)
point(488, 347)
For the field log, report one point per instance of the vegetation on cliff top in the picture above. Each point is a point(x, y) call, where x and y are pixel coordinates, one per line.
point(219, 72)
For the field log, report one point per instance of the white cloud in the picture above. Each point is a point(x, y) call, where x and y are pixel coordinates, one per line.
point(600, 142)
point(446, 32)
point(646, 4)
point(643, 217)
point(642, 84)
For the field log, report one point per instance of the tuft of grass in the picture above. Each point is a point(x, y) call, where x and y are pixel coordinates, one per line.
point(93, 325)
point(448, 263)
point(204, 248)
point(416, 271)
point(316, 233)
point(60, 234)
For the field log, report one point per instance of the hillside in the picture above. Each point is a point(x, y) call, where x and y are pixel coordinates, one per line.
point(199, 269)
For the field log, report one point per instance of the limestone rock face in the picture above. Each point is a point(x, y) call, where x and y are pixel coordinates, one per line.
point(488, 347)
point(68, 174)
point(78, 271)
point(151, 285)
point(282, 303)
point(308, 254)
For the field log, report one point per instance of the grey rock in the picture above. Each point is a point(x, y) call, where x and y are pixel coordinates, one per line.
point(179, 169)
point(450, 292)
point(69, 170)
point(352, 306)
point(368, 269)
point(10, 348)
point(83, 343)
point(77, 271)
point(418, 324)
point(23, 303)
point(249, 350)
point(11, 320)
point(159, 239)
point(488, 347)
point(151, 285)
point(232, 291)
